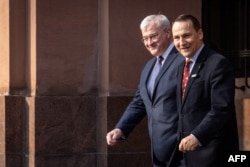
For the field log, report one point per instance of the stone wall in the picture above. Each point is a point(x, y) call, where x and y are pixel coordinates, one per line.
point(68, 70)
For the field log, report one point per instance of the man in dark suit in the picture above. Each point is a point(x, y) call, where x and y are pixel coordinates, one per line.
point(156, 94)
point(207, 118)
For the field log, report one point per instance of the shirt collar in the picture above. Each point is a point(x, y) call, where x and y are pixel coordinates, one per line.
point(194, 58)
point(167, 52)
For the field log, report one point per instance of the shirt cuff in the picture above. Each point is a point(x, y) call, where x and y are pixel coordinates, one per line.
point(197, 140)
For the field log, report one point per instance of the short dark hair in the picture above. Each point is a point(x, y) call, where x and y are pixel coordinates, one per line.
point(194, 20)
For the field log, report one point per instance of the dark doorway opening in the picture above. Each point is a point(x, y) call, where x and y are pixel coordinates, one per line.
point(226, 25)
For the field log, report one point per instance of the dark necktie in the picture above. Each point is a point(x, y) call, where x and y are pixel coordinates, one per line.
point(154, 74)
point(185, 76)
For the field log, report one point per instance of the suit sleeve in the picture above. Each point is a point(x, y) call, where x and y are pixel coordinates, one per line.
point(133, 114)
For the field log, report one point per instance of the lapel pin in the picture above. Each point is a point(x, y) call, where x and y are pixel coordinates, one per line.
point(194, 76)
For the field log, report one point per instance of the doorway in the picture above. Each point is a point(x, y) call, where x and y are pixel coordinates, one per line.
point(226, 26)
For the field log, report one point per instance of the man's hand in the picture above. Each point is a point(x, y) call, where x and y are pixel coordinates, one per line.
point(113, 136)
point(188, 143)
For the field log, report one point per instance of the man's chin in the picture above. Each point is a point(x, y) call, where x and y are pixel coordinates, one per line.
point(185, 54)
point(154, 53)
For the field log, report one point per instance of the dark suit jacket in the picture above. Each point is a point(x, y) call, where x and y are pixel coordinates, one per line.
point(161, 109)
point(207, 110)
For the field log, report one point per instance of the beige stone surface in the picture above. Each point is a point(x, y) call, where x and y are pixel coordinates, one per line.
point(246, 124)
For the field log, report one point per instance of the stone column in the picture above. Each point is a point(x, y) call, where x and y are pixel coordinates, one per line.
point(246, 124)
point(2, 130)
point(4, 47)
point(68, 71)
point(4, 73)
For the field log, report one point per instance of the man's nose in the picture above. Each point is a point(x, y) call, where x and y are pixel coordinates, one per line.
point(182, 41)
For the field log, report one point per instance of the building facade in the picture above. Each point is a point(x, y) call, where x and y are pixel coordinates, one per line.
point(69, 69)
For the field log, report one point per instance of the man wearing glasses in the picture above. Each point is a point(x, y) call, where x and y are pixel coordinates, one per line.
point(156, 93)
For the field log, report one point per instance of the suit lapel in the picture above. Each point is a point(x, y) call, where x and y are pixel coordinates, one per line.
point(179, 83)
point(147, 74)
point(196, 70)
point(165, 66)
point(169, 60)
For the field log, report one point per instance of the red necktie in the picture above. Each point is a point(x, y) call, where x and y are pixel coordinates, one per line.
point(185, 76)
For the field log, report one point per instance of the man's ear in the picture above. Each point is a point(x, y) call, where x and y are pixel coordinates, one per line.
point(200, 33)
point(168, 31)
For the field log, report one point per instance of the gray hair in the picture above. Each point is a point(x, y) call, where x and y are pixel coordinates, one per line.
point(160, 20)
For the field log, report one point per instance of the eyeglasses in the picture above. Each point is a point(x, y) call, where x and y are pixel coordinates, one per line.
point(152, 37)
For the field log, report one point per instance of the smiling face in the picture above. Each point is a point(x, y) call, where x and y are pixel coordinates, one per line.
point(155, 39)
point(186, 39)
